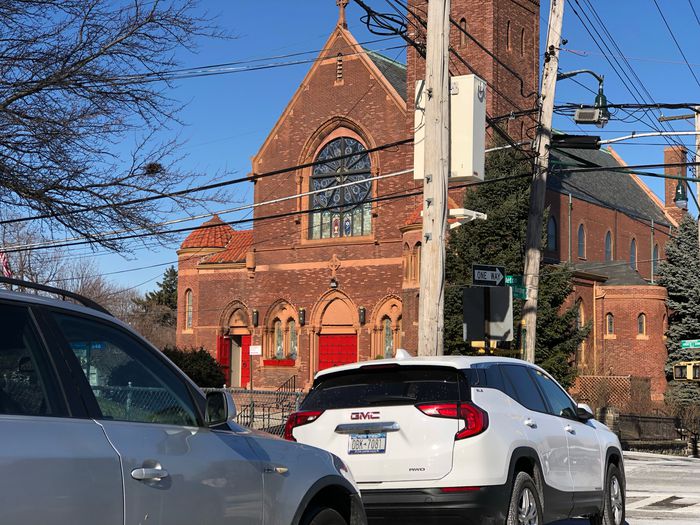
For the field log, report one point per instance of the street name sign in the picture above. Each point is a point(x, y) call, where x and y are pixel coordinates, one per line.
point(690, 343)
point(488, 275)
point(514, 280)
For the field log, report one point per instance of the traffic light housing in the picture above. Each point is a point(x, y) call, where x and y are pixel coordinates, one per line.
point(687, 371)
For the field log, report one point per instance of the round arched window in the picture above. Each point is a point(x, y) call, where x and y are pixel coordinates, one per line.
point(342, 209)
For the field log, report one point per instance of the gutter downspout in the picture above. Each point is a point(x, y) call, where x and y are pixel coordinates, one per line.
point(569, 226)
point(653, 263)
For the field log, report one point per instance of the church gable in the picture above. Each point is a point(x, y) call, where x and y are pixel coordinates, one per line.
point(346, 80)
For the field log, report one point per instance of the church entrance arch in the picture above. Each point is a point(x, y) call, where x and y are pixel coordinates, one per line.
point(337, 328)
point(233, 351)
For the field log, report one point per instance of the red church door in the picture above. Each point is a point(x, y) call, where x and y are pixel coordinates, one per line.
point(245, 360)
point(223, 356)
point(334, 350)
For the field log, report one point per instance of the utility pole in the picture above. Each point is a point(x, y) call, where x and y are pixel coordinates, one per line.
point(437, 163)
point(539, 177)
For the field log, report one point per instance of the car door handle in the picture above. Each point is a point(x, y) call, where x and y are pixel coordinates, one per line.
point(276, 470)
point(148, 474)
point(529, 422)
point(570, 429)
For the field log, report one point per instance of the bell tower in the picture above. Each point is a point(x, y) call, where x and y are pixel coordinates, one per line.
point(498, 40)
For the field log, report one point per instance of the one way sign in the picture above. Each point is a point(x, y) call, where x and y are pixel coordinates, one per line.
point(487, 275)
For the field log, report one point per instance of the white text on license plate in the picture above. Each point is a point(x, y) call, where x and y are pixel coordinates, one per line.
point(367, 443)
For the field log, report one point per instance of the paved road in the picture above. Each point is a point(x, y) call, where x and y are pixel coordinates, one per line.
point(660, 489)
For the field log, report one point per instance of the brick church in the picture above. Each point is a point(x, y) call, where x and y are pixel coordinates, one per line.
point(334, 277)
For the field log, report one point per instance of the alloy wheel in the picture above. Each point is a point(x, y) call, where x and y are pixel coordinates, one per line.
point(616, 500)
point(527, 508)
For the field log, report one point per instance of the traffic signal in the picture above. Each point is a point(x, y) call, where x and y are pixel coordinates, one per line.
point(687, 371)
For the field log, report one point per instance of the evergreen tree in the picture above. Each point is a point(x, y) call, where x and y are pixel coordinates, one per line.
point(198, 364)
point(680, 275)
point(162, 303)
point(500, 240)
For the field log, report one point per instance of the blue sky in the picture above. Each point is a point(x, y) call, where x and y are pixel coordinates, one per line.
point(228, 116)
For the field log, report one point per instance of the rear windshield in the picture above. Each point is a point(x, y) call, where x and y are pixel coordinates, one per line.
point(385, 386)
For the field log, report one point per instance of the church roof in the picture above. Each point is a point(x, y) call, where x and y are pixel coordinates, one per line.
point(236, 249)
point(616, 273)
point(609, 188)
point(214, 233)
point(393, 71)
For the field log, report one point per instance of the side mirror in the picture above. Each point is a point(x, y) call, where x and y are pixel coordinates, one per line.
point(220, 408)
point(584, 412)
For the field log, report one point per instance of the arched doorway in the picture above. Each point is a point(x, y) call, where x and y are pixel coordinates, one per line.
point(233, 349)
point(337, 331)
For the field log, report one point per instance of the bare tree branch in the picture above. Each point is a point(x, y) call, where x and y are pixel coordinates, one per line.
point(72, 90)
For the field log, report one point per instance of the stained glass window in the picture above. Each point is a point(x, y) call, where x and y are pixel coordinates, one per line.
point(279, 340)
point(188, 309)
point(388, 339)
point(292, 339)
point(341, 211)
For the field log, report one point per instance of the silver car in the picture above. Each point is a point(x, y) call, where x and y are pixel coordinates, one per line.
point(97, 426)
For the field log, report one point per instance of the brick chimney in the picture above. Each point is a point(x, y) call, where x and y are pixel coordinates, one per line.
point(674, 155)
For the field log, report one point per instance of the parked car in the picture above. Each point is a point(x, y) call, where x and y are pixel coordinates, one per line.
point(469, 440)
point(97, 426)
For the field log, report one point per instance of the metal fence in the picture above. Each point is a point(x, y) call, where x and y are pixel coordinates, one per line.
point(264, 409)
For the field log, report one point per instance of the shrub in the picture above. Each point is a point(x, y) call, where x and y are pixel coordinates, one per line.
point(198, 364)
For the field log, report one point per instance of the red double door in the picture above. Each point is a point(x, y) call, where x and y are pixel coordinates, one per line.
point(334, 350)
point(223, 356)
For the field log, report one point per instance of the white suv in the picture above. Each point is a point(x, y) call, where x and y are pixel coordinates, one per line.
point(469, 440)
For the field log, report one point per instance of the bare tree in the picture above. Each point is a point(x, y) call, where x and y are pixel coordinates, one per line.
point(78, 78)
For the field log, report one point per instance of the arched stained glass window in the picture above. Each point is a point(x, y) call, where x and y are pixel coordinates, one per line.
point(641, 324)
point(608, 247)
point(388, 338)
point(293, 339)
point(341, 211)
point(609, 324)
point(633, 254)
point(279, 340)
point(581, 241)
point(655, 260)
point(551, 234)
point(188, 310)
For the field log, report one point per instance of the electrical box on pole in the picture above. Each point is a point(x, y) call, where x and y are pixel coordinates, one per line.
point(467, 129)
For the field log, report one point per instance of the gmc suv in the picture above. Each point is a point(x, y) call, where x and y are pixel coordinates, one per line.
point(478, 440)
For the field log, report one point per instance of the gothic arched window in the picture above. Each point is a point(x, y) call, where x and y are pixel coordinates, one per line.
point(342, 209)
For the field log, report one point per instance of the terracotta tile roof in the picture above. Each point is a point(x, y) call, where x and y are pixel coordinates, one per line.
point(212, 234)
point(235, 252)
point(417, 218)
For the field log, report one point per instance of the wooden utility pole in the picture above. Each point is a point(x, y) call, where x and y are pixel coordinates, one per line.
point(697, 166)
point(539, 177)
point(437, 164)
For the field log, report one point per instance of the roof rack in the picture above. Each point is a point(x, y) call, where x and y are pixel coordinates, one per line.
point(64, 294)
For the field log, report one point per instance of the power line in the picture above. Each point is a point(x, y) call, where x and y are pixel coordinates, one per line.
point(675, 40)
point(256, 219)
point(206, 187)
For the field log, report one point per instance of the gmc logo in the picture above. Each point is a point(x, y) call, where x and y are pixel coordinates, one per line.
point(364, 415)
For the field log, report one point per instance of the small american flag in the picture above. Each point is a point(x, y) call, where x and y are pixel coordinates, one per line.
point(5, 265)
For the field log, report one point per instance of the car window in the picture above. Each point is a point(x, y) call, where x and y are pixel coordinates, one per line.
point(383, 386)
point(128, 381)
point(560, 403)
point(522, 387)
point(485, 376)
point(26, 381)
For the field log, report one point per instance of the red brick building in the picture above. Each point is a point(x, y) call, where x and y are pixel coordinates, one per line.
point(311, 289)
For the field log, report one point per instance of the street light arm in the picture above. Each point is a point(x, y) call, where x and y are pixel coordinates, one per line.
point(569, 74)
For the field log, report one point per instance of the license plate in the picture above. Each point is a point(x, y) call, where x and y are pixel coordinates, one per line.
point(367, 443)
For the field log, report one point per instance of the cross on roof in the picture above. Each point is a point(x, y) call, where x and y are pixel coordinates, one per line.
point(342, 4)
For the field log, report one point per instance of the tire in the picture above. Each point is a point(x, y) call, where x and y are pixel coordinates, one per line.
point(525, 506)
point(613, 512)
point(325, 516)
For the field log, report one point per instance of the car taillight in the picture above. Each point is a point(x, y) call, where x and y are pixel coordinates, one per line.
point(298, 419)
point(475, 419)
